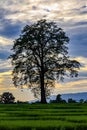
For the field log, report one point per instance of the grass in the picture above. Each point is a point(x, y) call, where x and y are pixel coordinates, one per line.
point(43, 116)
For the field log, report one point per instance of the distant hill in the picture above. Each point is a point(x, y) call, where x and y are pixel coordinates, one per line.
point(75, 96)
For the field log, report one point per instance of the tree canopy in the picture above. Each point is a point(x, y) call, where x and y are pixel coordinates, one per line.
point(41, 57)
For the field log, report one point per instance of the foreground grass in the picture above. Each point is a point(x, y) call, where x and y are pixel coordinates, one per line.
point(43, 116)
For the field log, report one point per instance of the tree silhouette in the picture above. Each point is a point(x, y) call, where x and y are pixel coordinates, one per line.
point(58, 98)
point(81, 101)
point(7, 97)
point(41, 56)
point(70, 100)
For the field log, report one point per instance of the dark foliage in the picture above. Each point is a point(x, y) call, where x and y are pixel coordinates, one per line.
point(70, 100)
point(7, 98)
point(81, 101)
point(58, 99)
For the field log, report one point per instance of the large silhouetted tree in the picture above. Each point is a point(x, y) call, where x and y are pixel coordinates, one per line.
point(41, 56)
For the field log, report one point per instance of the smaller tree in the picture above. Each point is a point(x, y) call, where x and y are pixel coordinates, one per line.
point(7, 98)
point(58, 98)
point(70, 100)
point(81, 101)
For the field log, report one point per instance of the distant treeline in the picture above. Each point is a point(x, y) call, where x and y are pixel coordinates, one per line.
point(8, 98)
point(70, 100)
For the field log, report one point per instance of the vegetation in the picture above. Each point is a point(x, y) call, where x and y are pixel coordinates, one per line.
point(7, 98)
point(58, 99)
point(41, 57)
point(43, 117)
point(70, 100)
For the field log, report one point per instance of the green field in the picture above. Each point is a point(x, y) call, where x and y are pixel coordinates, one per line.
point(43, 116)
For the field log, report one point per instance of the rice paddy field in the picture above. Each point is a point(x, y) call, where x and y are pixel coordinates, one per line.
point(43, 116)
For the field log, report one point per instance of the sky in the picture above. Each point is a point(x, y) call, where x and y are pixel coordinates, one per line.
point(70, 15)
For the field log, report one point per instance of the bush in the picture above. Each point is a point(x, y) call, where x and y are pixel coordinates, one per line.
point(70, 100)
point(81, 101)
point(7, 98)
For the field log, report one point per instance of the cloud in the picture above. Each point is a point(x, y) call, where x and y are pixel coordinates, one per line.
point(7, 73)
point(83, 68)
point(5, 52)
point(71, 87)
point(5, 41)
point(76, 83)
point(5, 65)
point(83, 61)
point(5, 82)
point(29, 10)
point(5, 47)
point(78, 41)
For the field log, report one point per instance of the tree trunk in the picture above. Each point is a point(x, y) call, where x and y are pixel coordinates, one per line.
point(43, 95)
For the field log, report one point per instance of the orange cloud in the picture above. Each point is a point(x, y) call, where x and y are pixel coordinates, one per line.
point(71, 87)
point(5, 41)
